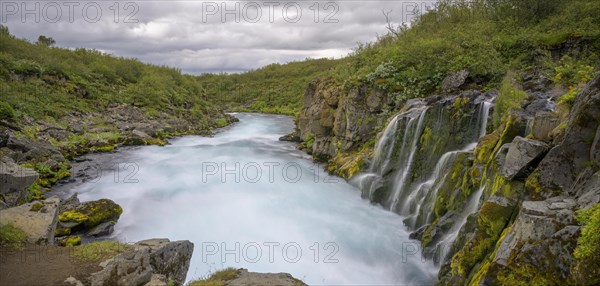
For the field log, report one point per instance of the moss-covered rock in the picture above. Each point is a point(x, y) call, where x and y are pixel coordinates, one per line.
point(88, 215)
point(70, 241)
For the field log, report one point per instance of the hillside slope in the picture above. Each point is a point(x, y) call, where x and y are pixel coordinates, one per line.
point(58, 103)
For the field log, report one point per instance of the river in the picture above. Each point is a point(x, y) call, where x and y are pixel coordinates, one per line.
point(247, 200)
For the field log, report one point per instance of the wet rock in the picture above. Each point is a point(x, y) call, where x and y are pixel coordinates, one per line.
point(102, 229)
point(37, 219)
point(455, 80)
point(523, 155)
point(292, 137)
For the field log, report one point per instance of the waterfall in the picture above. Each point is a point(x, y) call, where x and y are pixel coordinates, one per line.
point(406, 167)
point(370, 180)
point(442, 248)
point(415, 200)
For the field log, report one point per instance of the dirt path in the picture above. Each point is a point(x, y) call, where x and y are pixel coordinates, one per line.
point(42, 265)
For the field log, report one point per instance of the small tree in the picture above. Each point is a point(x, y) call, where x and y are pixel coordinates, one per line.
point(46, 41)
point(4, 31)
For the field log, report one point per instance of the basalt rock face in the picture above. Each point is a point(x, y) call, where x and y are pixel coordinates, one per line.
point(504, 213)
point(335, 120)
point(534, 239)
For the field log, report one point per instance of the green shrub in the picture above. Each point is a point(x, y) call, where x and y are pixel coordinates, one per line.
point(6, 111)
point(12, 237)
point(509, 98)
point(588, 245)
point(217, 279)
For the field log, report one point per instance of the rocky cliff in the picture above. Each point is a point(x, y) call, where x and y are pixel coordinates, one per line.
point(492, 202)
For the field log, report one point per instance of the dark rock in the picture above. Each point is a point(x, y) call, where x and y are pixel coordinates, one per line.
point(523, 155)
point(70, 203)
point(543, 124)
point(14, 181)
point(418, 234)
point(292, 137)
point(540, 105)
point(455, 80)
point(102, 229)
point(559, 170)
point(3, 137)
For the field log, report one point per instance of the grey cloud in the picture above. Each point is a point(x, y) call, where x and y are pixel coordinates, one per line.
point(173, 33)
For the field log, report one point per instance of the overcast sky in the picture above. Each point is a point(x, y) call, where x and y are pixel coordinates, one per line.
point(208, 36)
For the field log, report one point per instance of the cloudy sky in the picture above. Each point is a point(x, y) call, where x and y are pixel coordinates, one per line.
point(208, 36)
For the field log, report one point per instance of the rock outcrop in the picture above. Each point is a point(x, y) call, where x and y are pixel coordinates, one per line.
point(38, 219)
point(151, 262)
point(246, 278)
point(522, 154)
point(14, 181)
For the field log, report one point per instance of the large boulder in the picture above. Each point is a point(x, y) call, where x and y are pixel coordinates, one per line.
point(522, 157)
point(455, 80)
point(171, 259)
point(37, 219)
point(128, 268)
point(146, 263)
point(14, 181)
point(95, 218)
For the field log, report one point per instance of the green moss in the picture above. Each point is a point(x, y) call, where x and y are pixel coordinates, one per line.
point(71, 241)
point(72, 216)
point(12, 237)
point(221, 122)
point(61, 230)
point(570, 96)
point(93, 213)
point(493, 218)
point(105, 148)
point(532, 184)
point(588, 245)
point(99, 250)
point(155, 141)
point(36, 207)
point(35, 192)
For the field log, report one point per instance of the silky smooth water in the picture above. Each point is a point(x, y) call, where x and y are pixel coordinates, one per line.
point(275, 211)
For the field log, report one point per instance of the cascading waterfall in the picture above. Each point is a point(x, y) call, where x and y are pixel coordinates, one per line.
point(407, 163)
point(370, 180)
point(417, 203)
